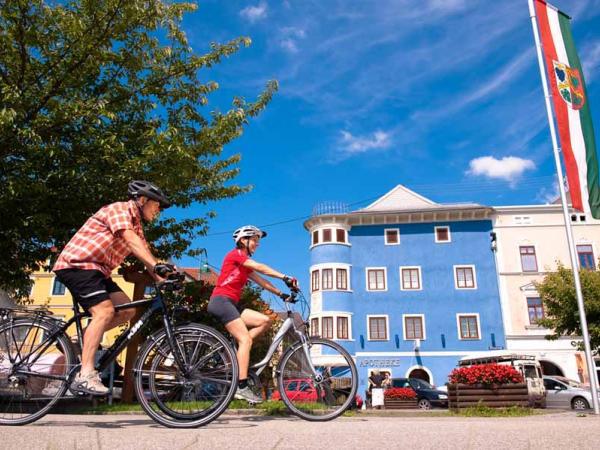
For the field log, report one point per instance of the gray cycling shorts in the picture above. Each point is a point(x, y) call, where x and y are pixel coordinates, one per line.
point(224, 309)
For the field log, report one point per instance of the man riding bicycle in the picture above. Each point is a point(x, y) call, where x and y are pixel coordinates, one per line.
point(87, 261)
point(244, 324)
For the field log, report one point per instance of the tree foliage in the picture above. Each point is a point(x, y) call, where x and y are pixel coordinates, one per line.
point(94, 93)
point(558, 295)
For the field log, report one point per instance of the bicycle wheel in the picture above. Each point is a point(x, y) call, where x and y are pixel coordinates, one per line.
point(24, 398)
point(323, 395)
point(189, 396)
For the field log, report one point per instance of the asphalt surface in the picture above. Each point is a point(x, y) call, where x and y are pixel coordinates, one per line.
point(548, 431)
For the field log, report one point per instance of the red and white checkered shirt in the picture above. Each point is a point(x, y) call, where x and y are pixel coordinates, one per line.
point(98, 244)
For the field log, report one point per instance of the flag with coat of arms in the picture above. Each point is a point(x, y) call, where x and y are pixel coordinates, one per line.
point(571, 107)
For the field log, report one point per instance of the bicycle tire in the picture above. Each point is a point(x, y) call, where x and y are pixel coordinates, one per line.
point(164, 392)
point(34, 402)
point(314, 403)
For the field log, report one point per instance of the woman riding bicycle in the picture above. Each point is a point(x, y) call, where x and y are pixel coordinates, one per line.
point(244, 324)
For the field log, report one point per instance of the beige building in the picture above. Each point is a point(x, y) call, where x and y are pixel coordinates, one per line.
point(530, 241)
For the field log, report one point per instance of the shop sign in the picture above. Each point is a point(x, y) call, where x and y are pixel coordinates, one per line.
point(379, 363)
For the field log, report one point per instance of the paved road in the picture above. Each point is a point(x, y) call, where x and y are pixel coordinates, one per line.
point(552, 431)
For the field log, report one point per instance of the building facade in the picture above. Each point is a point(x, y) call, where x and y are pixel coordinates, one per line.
point(531, 241)
point(406, 285)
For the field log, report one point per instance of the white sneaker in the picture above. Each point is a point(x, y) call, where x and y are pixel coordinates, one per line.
point(89, 384)
point(247, 394)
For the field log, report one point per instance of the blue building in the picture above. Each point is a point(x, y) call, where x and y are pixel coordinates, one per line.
point(406, 285)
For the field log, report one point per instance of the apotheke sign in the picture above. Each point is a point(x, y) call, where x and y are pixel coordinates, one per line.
point(379, 363)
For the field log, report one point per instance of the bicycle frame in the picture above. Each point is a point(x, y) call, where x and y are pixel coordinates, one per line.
point(287, 325)
point(155, 304)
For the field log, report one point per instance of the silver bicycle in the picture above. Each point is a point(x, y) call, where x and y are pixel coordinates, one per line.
point(316, 378)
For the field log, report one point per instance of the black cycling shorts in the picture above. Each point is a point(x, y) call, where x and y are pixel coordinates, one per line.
point(88, 287)
point(224, 309)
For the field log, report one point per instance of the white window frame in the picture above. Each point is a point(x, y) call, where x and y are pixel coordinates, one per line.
point(387, 327)
point(422, 316)
point(333, 324)
point(333, 227)
point(385, 237)
point(54, 280)
point(335, 314)
point(402, 288)
point(334, 266)
point(385, 279)
point(458, 316)
point(461, 266)
point(435, 230)
point(594, 253)
point(322, 271)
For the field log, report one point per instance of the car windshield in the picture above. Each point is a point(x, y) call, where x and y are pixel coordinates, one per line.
point(421, 384)
point(569, 382)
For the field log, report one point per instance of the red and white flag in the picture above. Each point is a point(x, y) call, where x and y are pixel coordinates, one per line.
point(571, 107)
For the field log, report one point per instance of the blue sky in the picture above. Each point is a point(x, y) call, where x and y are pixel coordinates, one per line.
point(443, 96)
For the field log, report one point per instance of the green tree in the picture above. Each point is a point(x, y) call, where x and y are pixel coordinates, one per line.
point(94, 93)
point(557, 292)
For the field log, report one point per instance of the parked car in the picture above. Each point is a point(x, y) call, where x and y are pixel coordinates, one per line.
point(302, 389)
point(563, 392)
point(427, 395)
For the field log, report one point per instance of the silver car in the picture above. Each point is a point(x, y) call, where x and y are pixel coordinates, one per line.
point(563, 392)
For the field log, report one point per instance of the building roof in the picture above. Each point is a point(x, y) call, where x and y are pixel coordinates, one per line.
point(196, 274)
point(401, 205)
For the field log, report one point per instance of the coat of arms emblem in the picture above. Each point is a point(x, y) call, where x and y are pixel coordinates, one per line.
point(570, 86)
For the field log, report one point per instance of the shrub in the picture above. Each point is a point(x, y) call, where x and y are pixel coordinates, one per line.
point(485, 374)
point(400, 393)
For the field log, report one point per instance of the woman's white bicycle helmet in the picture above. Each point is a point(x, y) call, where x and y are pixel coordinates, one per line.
point(248, 231)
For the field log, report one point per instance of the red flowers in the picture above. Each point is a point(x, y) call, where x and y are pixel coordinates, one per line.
point(485, 374)
point(400, 393)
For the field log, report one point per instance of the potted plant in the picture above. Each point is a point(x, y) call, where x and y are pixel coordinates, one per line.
point(399, 398)
point(493, 385)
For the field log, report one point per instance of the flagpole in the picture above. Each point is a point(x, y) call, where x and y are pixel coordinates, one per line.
point(574, 264)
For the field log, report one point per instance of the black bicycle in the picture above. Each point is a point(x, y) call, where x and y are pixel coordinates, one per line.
point(185, 375)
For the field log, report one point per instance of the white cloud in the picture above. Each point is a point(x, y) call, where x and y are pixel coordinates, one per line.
point(290, 37)
point(509, 168)
point(548, 195)
point(254, 13)
point(352, 145)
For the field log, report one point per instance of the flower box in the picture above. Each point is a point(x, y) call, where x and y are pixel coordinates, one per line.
point(400, 398)
point(493, 396)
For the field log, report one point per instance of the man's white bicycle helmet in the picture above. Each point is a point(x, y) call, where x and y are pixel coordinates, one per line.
point(248, 231)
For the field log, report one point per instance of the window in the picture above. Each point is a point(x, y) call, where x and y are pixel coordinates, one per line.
point(411, 278)
point(315, 280)
point(327, 279)
point(468, 327)
point(327, 325)
point(528, 261)
point(342, 328)
point(376, 279)
point(58, 288)
point(392, 236)
point(413, 327)
point(314, 327)
point(535, 308)
point(586, 257)
point(442, 234)
point(327, 235)
point(149, 291)
point(315, 237)
point(377, 328)
point(341, 279)
point(465, 277)
point(340, 235)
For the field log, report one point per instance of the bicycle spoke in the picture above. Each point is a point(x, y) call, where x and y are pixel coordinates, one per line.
point(322, 393)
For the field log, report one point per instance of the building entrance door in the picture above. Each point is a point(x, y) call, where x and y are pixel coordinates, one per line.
point(420, 374)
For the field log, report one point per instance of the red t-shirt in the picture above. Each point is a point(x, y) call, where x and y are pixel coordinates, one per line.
point(233, 275)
